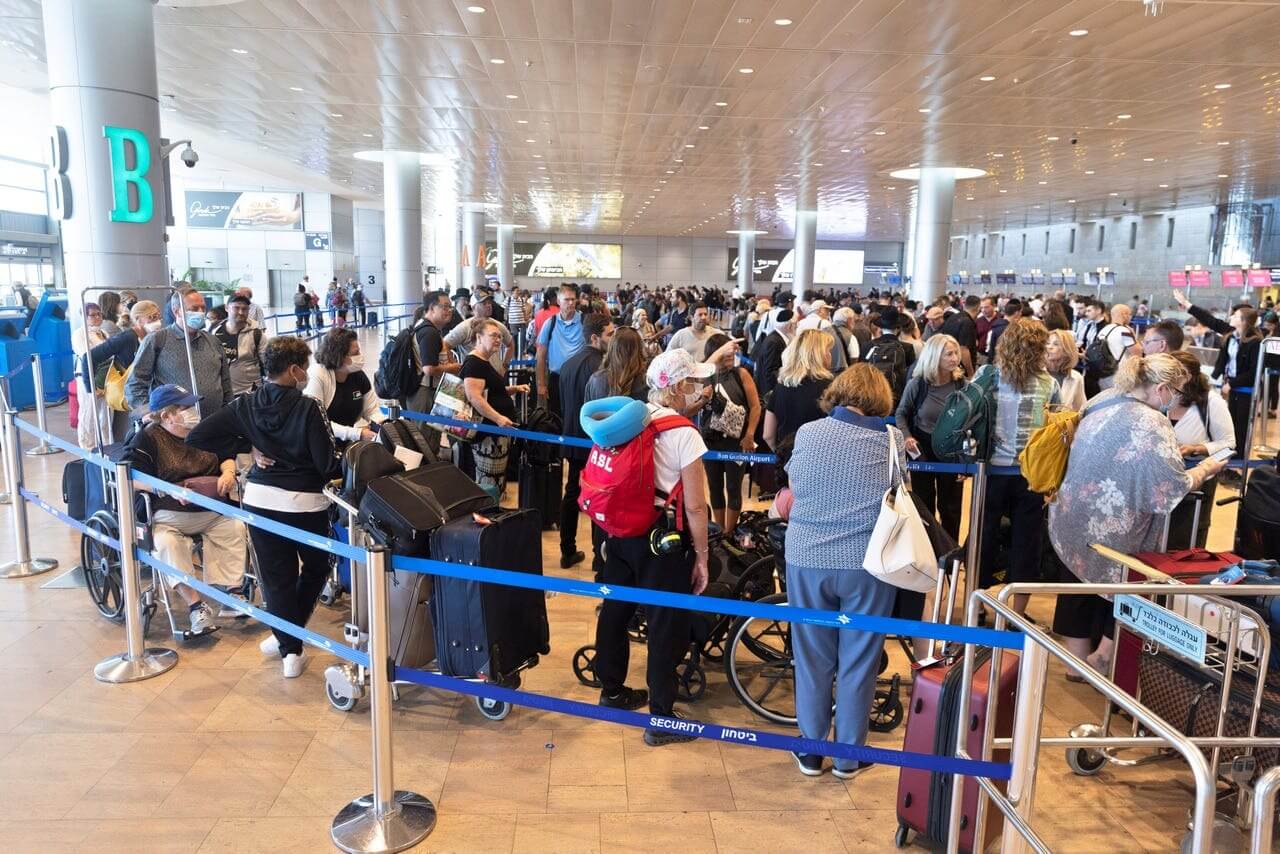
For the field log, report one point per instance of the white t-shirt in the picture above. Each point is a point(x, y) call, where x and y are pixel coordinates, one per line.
point(1118, 338)
point(692, 342)
point(673, 450)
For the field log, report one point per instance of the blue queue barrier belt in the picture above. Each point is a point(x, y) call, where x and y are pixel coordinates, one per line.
point(37, 500)
point(307, 636)
point(716, 732)
point(75, 450)
point(26, 365)
point(690, 602)
point(252, 519)
point(522, 363)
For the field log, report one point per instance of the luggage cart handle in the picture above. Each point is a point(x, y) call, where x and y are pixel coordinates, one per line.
point(333, 491)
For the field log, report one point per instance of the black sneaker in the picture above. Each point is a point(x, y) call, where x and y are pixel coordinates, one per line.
point(850, 773)
point(656, 737)
point(810, 764)
point(574, 559)
point(627, 698)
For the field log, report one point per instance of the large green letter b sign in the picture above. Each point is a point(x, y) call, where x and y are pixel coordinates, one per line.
point(122, 177)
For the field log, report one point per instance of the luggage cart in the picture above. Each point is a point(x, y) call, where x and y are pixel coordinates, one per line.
point(345, 683)
point(1237, 648)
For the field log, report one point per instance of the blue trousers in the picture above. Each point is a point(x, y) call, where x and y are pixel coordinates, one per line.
point(842, 662)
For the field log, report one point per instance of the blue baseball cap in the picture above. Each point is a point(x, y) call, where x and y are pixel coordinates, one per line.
point(171, 395)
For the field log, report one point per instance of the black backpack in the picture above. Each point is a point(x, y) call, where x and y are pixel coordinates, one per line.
point(542, 420)
point(301, 300)
point(398, 375)
point(887, 358)
point(1098, 359)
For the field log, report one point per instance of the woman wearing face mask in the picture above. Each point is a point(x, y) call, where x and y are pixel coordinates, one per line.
point(485, 459)
point(1119, 506)
point(337, 379)
point(160, 451)
point(122, 347)
point(289, 429)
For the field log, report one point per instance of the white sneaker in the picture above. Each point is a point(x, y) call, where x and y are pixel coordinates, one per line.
point(293, 664)
point(270, 645)
point(231, 612)
point(202, 619)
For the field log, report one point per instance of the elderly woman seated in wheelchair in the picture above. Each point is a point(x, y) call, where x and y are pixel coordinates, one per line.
point(159, 449)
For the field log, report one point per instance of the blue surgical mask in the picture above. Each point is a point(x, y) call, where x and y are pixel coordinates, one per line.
point(195, 320)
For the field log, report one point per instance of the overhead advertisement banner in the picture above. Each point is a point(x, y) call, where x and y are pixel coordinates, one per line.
point(562, 260)
point(830, 266)
point(253, 210)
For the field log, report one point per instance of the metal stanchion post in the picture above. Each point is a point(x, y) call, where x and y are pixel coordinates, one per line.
point(24, 565)
point(1270, 352)
point(43, 449)
point(973, 544)
point(386, 820)
point(7, 495)
point(138, 662)
point(1027, 715)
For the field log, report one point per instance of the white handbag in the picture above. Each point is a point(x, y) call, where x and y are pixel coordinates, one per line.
point(899, 552)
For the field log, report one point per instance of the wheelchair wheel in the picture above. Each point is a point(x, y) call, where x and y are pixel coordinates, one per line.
point(584, 666)
point(638, 628)
point(757, 581)
point(760, 667)
point(691, 681)
point(886, 711)
point(102, 567)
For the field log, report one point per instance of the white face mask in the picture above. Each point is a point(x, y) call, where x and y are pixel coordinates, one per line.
point(153, 325)
point(357, 363)
point(189, 417)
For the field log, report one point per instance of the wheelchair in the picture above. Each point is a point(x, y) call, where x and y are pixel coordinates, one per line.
point(102, 565)
point(741, 567)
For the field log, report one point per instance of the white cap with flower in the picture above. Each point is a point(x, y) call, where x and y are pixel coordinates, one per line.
point(671, 367)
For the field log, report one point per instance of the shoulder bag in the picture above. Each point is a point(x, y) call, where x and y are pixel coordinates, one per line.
point(899, 552)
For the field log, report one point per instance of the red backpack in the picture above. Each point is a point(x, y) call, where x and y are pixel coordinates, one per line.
point(618, 483)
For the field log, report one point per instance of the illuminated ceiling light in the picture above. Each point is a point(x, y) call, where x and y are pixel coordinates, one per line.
point(335, 115)
point(476, 10)
point(1223, 175)
point(844, 151)
point(542, 167)
point(746, 71)
point(704, 127)
point(986, 78)
point(879, 132)
point(1164, 186)
point(1223, 142)
point(961, 173)
point(1078, 33)
point(1042, 183)
point(1071, 201)
point(1124, 116)
point(1051, 138)
point(295, 88)
point(679, 159)
point(722, 103)
point(522, 121)
point(512, 97)
point(239, 50)
point(1222, 85)
point(1004, 191)
point(498, 61)
point(924, 110)
point(782, 22)
point(968, 198)
point(891, 187)
point(745, 231)
point(1088, 171)
point(997, 154)
point(368, 135)
point(671, 171)
point(688, 145)
point(1148, 160)
point(537, 155)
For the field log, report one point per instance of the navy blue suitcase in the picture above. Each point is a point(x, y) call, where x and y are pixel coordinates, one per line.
point(489, 631)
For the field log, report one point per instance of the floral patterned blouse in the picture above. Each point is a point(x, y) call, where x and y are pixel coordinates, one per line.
point(1124, 474)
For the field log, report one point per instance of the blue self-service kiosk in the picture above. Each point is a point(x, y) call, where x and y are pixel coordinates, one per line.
point(16, 348)
point(51, 333)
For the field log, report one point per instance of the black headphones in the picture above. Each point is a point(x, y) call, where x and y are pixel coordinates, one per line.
point(666, 538)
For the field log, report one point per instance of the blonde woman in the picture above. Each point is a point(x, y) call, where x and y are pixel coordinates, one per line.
point(805, 375)
point(1060, 359)
point(1119, 505)
point(937, 373)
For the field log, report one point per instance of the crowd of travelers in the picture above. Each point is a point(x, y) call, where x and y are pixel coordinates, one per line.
point(846, 388)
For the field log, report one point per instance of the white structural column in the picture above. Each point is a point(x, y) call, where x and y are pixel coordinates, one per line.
point(805, 247)
point(935, 199)
point(107, 177)
point(472, 241)
point(746, 261)
point(506, 256)
point(402, 224)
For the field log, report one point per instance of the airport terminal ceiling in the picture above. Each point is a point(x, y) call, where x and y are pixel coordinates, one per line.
point(690, 117)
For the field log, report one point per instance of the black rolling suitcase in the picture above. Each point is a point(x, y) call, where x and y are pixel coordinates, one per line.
point(403, 433)
point(489, 630)
point(403, 509)
point(542, 489)
point(363, 463)
point(73, 489)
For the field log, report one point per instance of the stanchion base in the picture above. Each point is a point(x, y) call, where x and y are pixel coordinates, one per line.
point(38, 451)
point(357, 829)
point(27, 568)
point(1265, 451)
point(5, 498)
point(119, 669)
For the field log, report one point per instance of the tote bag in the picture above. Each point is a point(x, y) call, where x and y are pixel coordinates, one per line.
point(899, 552)
point(451, 402)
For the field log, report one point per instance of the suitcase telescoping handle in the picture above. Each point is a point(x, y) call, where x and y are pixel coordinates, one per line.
point(940, 614)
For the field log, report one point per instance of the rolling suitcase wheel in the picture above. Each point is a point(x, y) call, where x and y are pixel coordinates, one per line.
point(494, 710)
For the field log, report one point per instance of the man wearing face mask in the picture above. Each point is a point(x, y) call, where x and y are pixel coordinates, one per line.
point(122, 347)
point(242, 341)
point(159, 450)
point(290, 429)
point(162, 359)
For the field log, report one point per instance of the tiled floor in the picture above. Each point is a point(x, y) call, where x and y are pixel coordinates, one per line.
point(222, 754)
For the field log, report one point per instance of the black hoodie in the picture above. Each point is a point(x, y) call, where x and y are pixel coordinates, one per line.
point(284, 425)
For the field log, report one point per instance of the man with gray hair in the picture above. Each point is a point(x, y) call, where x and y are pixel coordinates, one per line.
point(162, 359)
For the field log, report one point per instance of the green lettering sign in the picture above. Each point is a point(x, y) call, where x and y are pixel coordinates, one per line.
point(122, 177)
